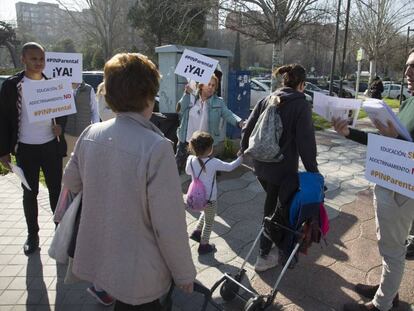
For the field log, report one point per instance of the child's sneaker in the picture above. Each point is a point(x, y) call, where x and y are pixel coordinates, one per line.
point(102, 296)
point(264, 263)
point(196, 236)
point(206, 249)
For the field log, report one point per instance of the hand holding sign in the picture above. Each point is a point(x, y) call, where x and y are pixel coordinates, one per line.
point(196, 67)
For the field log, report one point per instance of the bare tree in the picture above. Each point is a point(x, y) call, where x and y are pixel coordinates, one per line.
point(271, 21)
point(375, 23)
point(104, 21)
point(8, 39)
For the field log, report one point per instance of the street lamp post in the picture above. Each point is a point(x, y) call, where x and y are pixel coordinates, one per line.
point(335, 47)
point(406, 52)
point(344, 49)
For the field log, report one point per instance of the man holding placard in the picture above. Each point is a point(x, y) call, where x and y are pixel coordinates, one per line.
point(35, 144)
point(394, 211)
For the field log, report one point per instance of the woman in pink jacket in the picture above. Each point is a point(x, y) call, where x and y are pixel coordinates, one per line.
point(132, 240)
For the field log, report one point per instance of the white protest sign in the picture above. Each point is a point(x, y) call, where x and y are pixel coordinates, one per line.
point(329, 107)
point(64, 65)
point(390, 164)
point(196, 67)
point(48, 99)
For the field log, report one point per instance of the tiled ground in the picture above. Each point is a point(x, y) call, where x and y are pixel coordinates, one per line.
point(322, 280)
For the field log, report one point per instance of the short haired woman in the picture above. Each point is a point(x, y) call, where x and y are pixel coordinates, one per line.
point(132, 238)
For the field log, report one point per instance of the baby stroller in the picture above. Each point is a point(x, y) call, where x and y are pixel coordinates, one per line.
point(303, 220)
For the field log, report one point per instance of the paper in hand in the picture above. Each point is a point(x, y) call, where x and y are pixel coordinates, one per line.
point(379, 110)
point(329, 107)
point(19, 172)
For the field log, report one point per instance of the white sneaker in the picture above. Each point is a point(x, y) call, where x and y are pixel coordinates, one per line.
point(265, 263)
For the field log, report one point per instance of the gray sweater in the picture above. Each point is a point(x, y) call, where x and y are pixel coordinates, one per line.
point(132, 236)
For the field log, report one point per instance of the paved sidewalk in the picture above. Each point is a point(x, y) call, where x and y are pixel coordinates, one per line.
point(322, 280)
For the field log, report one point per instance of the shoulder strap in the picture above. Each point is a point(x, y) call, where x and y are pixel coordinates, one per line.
point(201, 169)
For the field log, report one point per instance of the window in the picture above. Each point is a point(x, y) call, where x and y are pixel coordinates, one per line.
point(256, 87)
point(395, 87)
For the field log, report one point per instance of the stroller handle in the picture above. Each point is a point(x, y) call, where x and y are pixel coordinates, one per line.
point(199, 288)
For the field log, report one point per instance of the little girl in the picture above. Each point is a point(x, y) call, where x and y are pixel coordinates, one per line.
point(201, 148)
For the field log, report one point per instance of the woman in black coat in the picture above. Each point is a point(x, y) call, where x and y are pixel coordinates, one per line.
point(298, 139)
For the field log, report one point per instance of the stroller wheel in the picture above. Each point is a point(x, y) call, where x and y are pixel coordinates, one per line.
point(228, 290)
point(254, 304)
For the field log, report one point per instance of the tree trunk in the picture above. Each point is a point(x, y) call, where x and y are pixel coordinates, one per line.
point(372, 69)
point(237, 61)
point(278, 57)
point(13, 55)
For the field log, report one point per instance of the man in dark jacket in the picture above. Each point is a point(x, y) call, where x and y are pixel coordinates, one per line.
point(35, 145)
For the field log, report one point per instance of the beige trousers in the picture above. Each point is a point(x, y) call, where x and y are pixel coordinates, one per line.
point(394, 216)
point(71, 142)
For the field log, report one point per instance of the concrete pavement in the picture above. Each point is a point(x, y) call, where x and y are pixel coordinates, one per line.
point(322, 280)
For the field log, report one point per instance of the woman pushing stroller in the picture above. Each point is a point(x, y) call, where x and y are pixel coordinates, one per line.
point(297, 139)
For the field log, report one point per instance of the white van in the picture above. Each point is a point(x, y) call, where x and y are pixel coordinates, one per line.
point(394, 91)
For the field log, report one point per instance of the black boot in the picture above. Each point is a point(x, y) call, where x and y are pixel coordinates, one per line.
point(31, 244)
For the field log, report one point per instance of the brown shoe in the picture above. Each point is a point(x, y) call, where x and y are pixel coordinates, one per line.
point(368, 291)
point(360, 307)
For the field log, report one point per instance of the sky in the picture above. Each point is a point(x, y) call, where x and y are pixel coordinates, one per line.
point(8, 9)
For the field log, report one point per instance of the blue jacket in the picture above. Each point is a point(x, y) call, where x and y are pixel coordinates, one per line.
point(310, 192)
point(217, 110)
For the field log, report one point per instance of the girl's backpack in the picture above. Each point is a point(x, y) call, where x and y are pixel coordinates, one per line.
point(265, 137)
point(196, 195)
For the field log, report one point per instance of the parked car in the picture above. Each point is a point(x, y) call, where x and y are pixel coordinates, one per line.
point(310, 88)
point(268, 82)
point(363, 86)
point(93, 78)
point(2, 79)
point(346, 92)
point(394, 91)
point(259, 90)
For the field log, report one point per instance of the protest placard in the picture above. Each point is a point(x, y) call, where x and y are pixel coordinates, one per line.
point(48, 99)
point(64, 65)
point(329, 107)
point(196, 66)
point(390, 164)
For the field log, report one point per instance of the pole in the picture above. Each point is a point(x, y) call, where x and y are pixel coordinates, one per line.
point(344, 49)
point(335, 46)
point(406, 52)
point(357, 80)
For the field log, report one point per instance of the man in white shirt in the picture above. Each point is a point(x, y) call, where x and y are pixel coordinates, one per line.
point(38, 145)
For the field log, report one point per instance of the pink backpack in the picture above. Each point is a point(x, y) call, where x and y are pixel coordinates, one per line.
point(196, 194)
